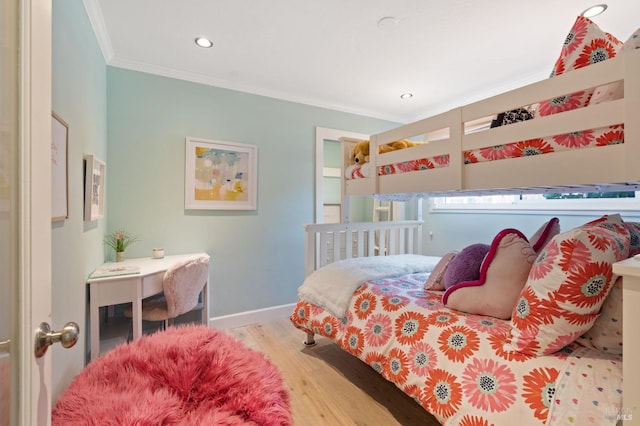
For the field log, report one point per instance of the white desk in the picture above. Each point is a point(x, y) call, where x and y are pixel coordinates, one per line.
point(133, 288)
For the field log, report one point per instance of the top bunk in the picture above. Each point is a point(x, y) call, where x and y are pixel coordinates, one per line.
point(594, 147)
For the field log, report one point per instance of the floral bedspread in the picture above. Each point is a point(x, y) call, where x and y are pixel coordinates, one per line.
point(454, 364)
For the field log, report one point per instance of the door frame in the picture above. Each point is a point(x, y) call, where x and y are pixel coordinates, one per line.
point(32, 392)
point(322, 134)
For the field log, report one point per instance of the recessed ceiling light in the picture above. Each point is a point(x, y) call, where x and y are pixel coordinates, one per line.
point(594, 10)
point(203, 42)
point(387, 23)
point(406, 96)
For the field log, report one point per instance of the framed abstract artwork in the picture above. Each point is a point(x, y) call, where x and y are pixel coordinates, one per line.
point(220, 175)
point(95, 178)
point(59, 169)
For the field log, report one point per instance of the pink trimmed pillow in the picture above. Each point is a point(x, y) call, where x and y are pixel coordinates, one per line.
point(543, 235)
point(503, 273)
point(436, 278)
point(606, 333)
point(567, 286)
point(585, 44)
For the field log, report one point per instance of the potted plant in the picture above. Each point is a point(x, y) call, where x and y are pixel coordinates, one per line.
point(119, 241)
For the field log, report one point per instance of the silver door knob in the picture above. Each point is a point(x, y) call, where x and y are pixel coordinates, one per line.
point(45, 337)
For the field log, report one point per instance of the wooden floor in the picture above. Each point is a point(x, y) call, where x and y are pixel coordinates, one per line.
point(329, 386)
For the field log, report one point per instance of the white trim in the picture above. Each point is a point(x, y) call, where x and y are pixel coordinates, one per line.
point(322, 134)
point(242, 319)
point(94, 12)
point(333, 172)
point(207, 80)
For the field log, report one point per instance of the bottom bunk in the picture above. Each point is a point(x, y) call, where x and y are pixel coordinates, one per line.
point(557, 360)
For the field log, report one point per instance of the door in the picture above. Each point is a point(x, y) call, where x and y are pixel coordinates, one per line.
point(25, 205)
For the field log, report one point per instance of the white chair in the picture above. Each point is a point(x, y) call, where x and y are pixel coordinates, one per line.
point(181, 285)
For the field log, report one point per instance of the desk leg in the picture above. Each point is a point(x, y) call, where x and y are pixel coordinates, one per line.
point(205, 304)
point(94, 308)
point(137, 314)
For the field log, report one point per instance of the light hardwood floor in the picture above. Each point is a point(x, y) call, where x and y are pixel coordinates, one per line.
point(329, 386)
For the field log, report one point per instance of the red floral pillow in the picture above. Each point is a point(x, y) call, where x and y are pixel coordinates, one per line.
point(567, 286)
point(585, 44)
point(613, 91)
point(606, 333)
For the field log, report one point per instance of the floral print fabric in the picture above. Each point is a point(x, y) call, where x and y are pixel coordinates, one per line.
point(611, 135)
point(586, 44)
point(606, 333)
point(455, 364)
point(567, 286)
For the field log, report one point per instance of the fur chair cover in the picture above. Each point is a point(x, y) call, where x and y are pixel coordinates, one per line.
point(186, 375)
point(183, 283)
point(181, 287)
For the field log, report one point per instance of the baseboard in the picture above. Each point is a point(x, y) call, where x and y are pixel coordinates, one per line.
point(242, 319)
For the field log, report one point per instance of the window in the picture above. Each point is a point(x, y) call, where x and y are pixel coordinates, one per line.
point(541, 203)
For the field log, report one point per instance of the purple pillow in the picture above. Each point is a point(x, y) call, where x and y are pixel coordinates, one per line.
point(466, 265)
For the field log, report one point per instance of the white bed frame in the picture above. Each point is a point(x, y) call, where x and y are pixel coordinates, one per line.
point(330, 242)
point(607, 168)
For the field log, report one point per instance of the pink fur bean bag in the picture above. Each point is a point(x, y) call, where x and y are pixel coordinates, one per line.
point(187, 375)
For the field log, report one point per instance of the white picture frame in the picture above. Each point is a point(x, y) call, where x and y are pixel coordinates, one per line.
point(95, 178)
point(59, 168)
point(220, 175)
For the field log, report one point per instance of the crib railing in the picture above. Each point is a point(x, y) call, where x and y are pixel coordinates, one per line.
point(330, 242)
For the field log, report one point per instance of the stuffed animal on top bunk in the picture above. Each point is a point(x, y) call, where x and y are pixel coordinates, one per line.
point(360, 152)
point(487, 279)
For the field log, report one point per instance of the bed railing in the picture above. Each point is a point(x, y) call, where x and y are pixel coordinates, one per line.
point(330, 242)
point(614, 166)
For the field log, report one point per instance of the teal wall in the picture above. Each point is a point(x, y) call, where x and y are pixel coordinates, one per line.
point(444, 232)
point(257, 256)
point(137, 124)
point(79, 92)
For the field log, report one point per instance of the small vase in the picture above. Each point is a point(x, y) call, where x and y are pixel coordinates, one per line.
point(119, 256)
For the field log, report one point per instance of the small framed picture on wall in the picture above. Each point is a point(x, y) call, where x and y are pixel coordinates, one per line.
point(95, 175)
point(59, 169)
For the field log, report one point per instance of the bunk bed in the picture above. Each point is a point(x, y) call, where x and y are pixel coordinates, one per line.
point(467, 368)
point(573, 170)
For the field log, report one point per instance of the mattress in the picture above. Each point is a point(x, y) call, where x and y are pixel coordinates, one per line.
point(455, 364)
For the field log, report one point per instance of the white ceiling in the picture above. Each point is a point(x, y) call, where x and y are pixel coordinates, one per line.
point(331, 53)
